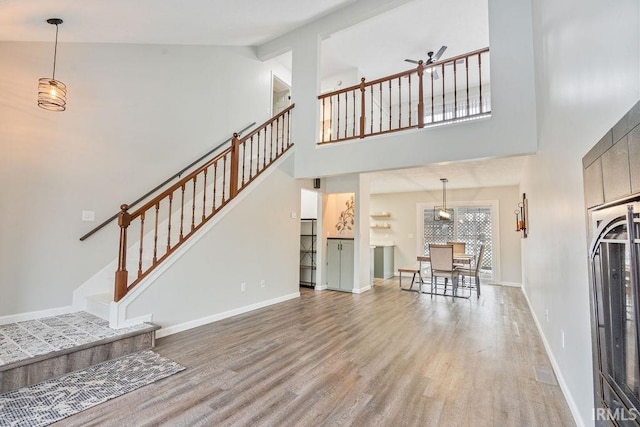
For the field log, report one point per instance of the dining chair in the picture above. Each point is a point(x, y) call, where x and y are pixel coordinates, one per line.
point(458, 247)
point(442, 266)
point(474, 272)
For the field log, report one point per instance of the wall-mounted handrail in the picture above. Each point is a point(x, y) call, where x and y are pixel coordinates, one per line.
point(165, 222)
point(164, 183)
point(455, 89)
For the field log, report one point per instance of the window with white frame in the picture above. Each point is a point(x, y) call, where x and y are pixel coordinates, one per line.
point(473, 225)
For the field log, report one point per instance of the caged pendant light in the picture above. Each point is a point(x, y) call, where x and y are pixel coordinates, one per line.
point(52, 93)
point(443, 213)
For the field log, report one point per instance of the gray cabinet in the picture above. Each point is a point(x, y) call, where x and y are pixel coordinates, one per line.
point(634, 159)
point(593, 191)
point(383, 262)
point(611, 169)
point(615, 171)
point(340, 259)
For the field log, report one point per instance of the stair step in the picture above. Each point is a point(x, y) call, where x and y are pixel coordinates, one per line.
point(54, 346)
point(98, 304)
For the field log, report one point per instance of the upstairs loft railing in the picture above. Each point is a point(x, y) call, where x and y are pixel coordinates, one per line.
point(164, 223)
point(455, 89)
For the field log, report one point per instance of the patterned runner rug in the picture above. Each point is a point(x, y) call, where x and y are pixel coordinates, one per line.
point(58, 398)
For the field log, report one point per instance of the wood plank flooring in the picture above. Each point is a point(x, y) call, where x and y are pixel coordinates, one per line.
point(382, 358)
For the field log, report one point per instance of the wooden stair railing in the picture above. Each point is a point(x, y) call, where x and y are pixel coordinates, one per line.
point(455, 89)
point(164, 183)
point(164, 223)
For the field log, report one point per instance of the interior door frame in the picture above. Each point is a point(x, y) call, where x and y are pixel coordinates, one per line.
point(276, 81)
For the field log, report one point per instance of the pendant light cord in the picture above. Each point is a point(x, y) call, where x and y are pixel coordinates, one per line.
point(55, 54)
point(444, 194)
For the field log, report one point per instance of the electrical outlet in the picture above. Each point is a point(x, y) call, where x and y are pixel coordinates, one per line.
point(243, 286)
point(546, 314)
point(562, 334)
point(263, 283)
point(409, 236)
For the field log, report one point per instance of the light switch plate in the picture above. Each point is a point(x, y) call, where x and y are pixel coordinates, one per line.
point(88, 216)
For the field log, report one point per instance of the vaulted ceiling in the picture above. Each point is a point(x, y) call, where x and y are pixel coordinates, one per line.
point(211, 22)
point(372, 48)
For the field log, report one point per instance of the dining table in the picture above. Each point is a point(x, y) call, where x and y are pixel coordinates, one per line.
point(464, 259)
point(457, 258)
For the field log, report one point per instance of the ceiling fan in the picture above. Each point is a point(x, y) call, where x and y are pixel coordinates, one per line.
point(431, 58)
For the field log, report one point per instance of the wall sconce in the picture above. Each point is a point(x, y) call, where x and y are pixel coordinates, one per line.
point(52, 94)
point(521, 216)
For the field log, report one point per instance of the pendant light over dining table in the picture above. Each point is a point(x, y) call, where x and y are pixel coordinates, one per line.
point(52, 93)
point(443, 213)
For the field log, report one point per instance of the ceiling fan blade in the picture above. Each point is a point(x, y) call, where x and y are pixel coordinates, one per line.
point(439, 53)
point(433, 72)
point(412, 61)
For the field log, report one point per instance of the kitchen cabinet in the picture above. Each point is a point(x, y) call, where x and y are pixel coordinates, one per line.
point(340, 264)
point(383, 262)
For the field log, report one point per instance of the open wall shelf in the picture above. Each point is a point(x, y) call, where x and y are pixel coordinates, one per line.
point(308, 242)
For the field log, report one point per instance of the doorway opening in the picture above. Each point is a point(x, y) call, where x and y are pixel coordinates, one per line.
point(281, 95)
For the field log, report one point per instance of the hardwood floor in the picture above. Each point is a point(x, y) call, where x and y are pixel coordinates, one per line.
point(382, 358)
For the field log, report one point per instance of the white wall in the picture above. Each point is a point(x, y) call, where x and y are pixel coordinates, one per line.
point(136, 114)
point(308, 204)
point(579, 98)
point(236, 250)
point(510, 131)
point(403, 221)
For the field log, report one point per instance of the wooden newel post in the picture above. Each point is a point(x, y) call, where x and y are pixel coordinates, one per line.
point(235, 160)
point(362, 107)
point(124, 219)
point(420, 95)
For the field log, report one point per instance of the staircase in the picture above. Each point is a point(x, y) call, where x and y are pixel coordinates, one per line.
point(164, 227)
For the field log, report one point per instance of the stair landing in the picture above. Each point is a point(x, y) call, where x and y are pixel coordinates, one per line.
point(35, 350)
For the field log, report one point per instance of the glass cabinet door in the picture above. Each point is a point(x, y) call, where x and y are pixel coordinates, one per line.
point(617, 313)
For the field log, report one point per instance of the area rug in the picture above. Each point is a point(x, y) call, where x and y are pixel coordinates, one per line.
point(52, 400)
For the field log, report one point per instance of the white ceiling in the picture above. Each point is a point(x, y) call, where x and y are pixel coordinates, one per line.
point(215, 22)
point(377, 47)
point(472, 174)
point(372, 48)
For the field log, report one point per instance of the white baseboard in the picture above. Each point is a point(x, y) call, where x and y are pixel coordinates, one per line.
point(556, 368)
point(169, 330)
point(511, 284)
point(320, 287)
point(361, 290)
point(31, 315)
point(125, 323)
